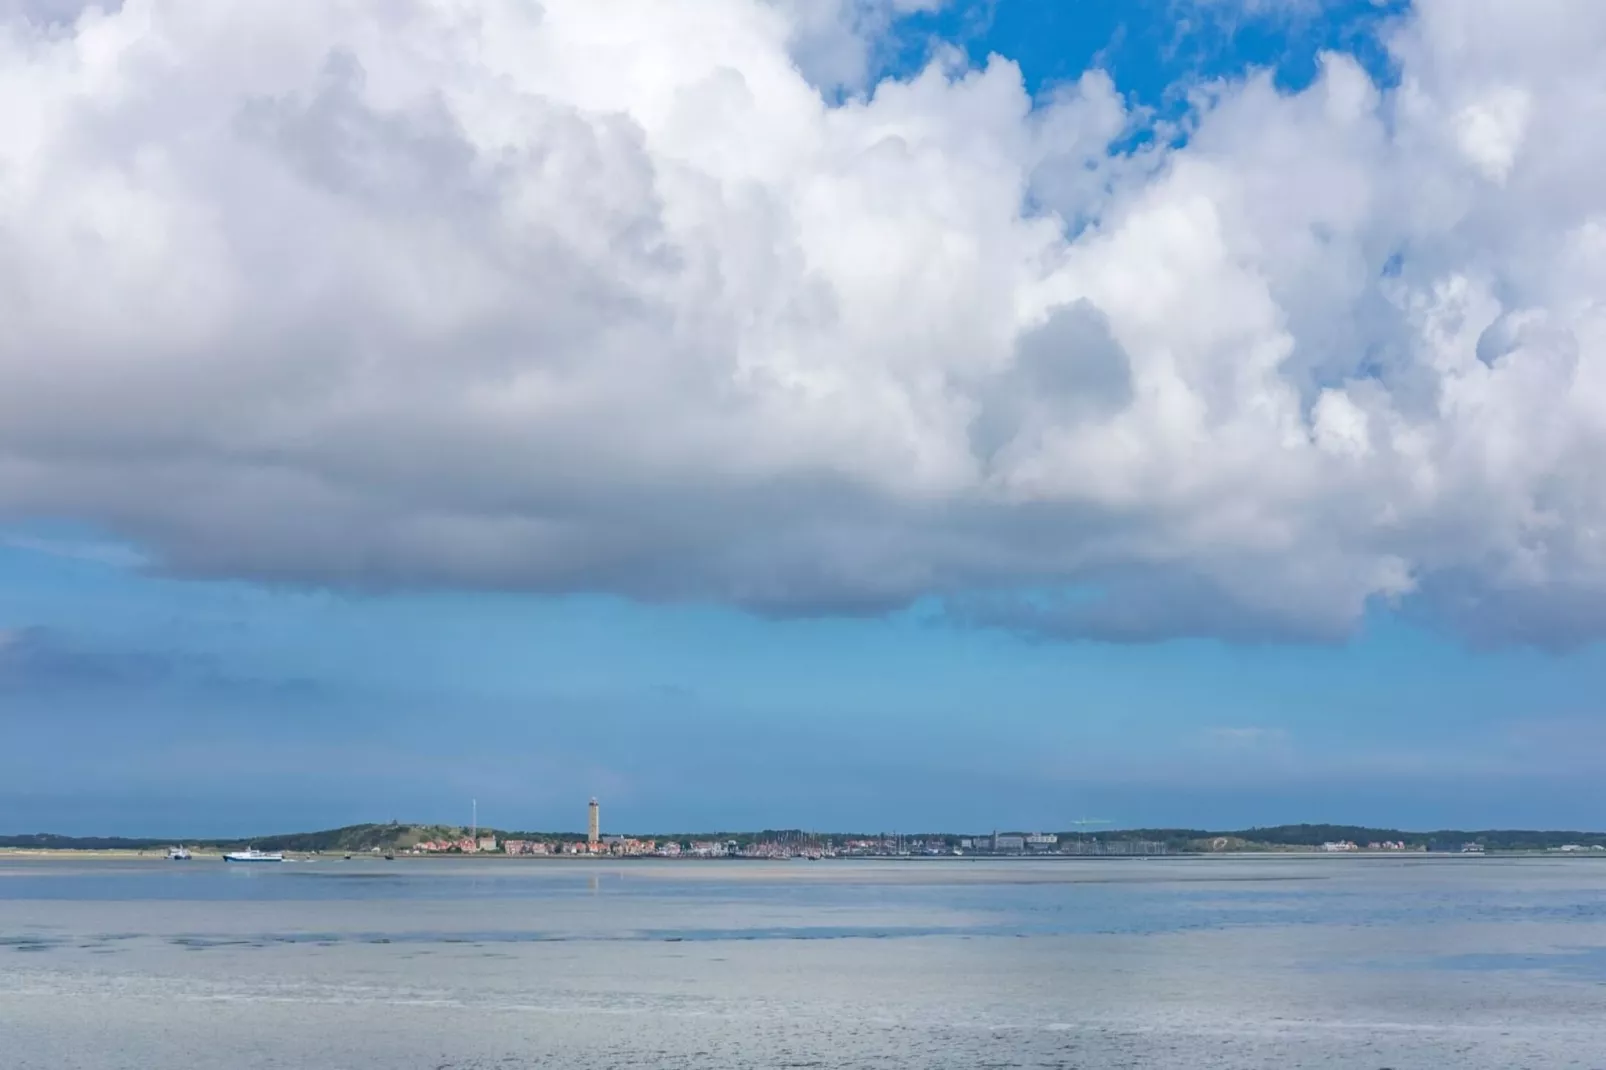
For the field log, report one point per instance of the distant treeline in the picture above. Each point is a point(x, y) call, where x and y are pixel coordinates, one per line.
point(1316, 835)
point(46, 840)
point(396, 836)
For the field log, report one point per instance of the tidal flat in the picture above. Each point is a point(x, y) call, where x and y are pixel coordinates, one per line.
point(1271, 962)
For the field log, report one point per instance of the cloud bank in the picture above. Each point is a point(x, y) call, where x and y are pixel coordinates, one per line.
point(665, 301)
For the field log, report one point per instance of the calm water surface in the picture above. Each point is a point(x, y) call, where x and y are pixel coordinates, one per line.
point(1091, 964)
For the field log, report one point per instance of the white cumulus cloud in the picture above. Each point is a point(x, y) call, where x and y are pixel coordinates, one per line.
point(666, 300)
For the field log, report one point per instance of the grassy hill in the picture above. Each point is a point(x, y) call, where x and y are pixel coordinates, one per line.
point(353, 838)
point(350, 839)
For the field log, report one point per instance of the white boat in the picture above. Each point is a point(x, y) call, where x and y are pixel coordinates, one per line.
point(178, 854)
point(254, 855)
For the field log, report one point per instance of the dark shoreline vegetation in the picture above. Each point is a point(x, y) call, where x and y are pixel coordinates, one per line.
point(395, 836)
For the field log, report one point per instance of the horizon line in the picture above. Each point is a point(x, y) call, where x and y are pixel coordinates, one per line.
point(855, 834)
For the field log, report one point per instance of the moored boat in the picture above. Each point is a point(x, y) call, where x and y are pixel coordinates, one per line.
point(178, 854)
point(254, 855)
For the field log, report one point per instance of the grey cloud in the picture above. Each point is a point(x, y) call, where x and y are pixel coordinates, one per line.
point(54, 13)
point(37, 659)
point(413, 161)
point(47, 662)
point(1558, 617)
point(1152, 605)
point(836, 43)
point(1069, 368)
point(401, 299)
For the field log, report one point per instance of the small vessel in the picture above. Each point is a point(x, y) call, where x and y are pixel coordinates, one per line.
point(178, 854)
point(254, 855)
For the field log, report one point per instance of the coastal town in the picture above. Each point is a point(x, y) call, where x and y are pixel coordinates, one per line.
point(394, 839)
point(780, 846)
point(772, 844)
point(785, 844)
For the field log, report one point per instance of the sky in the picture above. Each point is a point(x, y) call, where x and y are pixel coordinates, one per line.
point(839, 414)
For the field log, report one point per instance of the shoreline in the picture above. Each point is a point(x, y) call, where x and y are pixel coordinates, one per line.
point(123, 854)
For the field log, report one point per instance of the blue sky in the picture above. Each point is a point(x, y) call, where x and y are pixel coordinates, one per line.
point(184, 652)
point(149, 705)
point(1153, 48)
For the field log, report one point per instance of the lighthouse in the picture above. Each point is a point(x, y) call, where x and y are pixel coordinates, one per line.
point(594, 828)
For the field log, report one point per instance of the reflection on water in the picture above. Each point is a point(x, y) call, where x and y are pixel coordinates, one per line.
point(1098, 963)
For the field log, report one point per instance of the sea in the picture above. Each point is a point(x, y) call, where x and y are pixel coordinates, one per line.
point(1439, 963)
